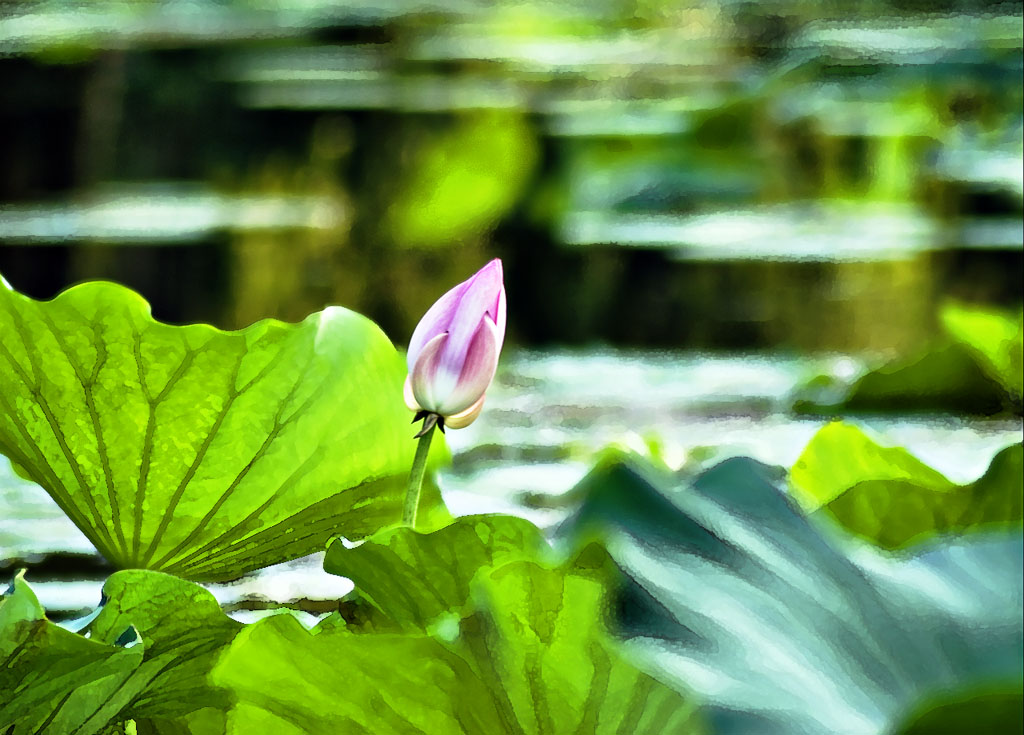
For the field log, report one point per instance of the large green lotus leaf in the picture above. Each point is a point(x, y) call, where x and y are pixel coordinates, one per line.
point(390, 568)
point(840, 456)
point(196, 451)
point(784, 625)
point(530, 655)
point(994, 338)
point(176, 630)
point(53, 681)
point(896, 513)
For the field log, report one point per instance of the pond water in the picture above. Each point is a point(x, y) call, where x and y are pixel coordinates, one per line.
point(547, 418)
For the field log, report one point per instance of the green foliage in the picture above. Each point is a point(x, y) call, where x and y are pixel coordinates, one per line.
point(895, 513)
point(944, 377)
point(148, 656)
point(52, 680)
point(999, 711)
point(473, 631)
point(840, 456)
point(462, 181)
point(428, 574)
point(528, 655)
point(183, 629)
point(780, 626)
point(197, 451)
point(890, 497)
point(976, 369)
point(995, 339)
point(211, 453)
point(538, 639)
point(388, 683)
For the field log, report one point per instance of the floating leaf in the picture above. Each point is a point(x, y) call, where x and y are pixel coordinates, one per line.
point(538, 638)
point(377, 683)
point(183, 628)
point(53, 680)
point(840, 455)
point(890, 497)
point(895, 513)
point(976, 369)
point(197, 451)
point(780, 624)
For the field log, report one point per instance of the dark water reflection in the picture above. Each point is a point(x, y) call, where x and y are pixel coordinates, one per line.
point(722, 176)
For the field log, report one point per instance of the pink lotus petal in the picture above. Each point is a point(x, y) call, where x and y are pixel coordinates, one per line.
point(410, 397)
point(454, 350)
point(425, 372)
point(465, 418)
point(480, 296)
point(477, 371)
point(435, 321)
point(499, 317)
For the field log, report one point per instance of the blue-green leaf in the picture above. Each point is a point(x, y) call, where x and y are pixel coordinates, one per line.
point(783, 624)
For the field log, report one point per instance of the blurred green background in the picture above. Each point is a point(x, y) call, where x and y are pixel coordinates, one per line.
point(718, 175)
point(721, 222)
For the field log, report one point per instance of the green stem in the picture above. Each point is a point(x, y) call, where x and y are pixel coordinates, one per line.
point(419, 466)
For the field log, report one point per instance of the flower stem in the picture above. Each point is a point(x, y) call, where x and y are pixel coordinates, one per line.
point(419, 466)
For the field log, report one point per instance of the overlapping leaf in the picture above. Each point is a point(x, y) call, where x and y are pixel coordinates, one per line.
point(943, 377)
point(147, 658)
point(840, 456)
point(415, 578)
point(976, 710)
point(526, 655)
point(887, 495)
point(197, 451)
point(780, 622)
point(52, 680)
point(183, 629)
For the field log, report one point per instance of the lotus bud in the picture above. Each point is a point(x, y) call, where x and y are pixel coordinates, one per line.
point(454, 350)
